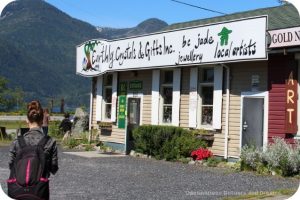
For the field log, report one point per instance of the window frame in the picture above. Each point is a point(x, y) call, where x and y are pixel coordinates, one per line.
point(106, 86)
point(163, 85)
point(201, 83)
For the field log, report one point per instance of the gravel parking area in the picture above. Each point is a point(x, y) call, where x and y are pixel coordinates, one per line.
point(137, 178)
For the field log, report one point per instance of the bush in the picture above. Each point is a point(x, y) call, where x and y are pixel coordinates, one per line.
point(283, 157)
point(250, 157)
point(12, 136)
point(54, 130)
point(165, 142)
point(89, 147)
point(71, 143)
point(180, 146)
point(212, 162)
point(74, 142)
point(201, 154)
point(279, 157)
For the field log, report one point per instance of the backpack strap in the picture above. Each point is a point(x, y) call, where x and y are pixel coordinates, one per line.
point(21, 141)
point(43, 141)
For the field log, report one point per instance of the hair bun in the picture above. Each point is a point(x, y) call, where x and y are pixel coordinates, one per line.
point(35, 112)
point(33, 105)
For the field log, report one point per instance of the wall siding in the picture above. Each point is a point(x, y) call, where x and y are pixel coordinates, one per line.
point(146, 109)
point(241, 74)
point(279, 67)
point(184, 98)
point(146, 77)
point(94, 123)
point(119, 135)
point(240, 82)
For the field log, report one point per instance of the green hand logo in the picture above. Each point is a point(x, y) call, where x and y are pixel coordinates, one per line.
point(224, 36)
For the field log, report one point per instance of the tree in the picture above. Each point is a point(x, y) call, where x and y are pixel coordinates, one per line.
point(9, 98)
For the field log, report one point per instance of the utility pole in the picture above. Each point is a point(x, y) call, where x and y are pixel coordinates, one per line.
point(62, 106)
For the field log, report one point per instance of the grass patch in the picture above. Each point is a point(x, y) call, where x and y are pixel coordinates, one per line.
point(71, 143)
point(15, 124)
point(11, 124)
point(5, 143)
point(263, 195)
point(17, 113)
point(54, 130)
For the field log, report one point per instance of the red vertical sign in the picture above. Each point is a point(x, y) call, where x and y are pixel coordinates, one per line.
point(291, 104)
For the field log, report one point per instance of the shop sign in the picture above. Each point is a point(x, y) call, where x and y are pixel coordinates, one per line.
point(232, 41)
point(105, 128)
point(285, 37)
point(291, 104)
point(122, 112)
point(122, 88)
point(135, 85)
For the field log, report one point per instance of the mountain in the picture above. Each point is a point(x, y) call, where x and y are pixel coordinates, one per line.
point(147, 26)
point(38, 44)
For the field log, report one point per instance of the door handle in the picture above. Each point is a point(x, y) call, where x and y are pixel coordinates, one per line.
point(245, 126)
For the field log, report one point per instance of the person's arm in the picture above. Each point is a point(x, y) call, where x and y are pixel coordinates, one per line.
point(12, 153)
point(54, 158)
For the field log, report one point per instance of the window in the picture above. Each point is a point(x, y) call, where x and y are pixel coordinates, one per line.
point(206, 91)
point(166, 96)
point(107, 96)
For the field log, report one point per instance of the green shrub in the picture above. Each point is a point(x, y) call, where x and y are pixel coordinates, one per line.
point(74, 142)
point(262, 169)
point(165, 142)
point(282, 157)
point(71, 143)
point(181, 146)
point(150, 139)
point(54, 130)
point(279, 157)
point(12, 136)
point(89, 147)
point(250, 157)
point(213, 162)
point(184, 160)
point(84, 138)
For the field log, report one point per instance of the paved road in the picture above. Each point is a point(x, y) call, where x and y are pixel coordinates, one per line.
point(137, 178)
point(23, 117)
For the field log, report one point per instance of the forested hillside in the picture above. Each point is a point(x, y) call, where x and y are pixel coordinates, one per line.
point(38, 44)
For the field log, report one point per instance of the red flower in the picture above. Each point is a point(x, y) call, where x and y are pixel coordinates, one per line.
point(201, 154)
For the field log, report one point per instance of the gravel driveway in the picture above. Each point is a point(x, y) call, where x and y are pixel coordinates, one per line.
point(137, 178)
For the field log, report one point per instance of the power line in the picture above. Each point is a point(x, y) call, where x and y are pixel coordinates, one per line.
point(198, 7)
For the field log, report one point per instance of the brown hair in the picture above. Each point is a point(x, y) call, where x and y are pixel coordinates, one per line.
point(46, 110)
point(35, 112)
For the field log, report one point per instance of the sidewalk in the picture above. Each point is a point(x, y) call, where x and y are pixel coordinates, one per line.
point(95, 154)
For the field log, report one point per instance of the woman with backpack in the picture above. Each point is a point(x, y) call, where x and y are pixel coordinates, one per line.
point(32, 157)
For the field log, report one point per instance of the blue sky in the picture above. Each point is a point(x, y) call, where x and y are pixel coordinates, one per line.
point(129, 13)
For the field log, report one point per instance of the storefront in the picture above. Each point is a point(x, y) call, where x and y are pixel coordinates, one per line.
point(283, 73)
point(214, 76)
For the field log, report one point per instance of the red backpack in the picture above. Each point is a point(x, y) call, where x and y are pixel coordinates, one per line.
point(27, 179)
